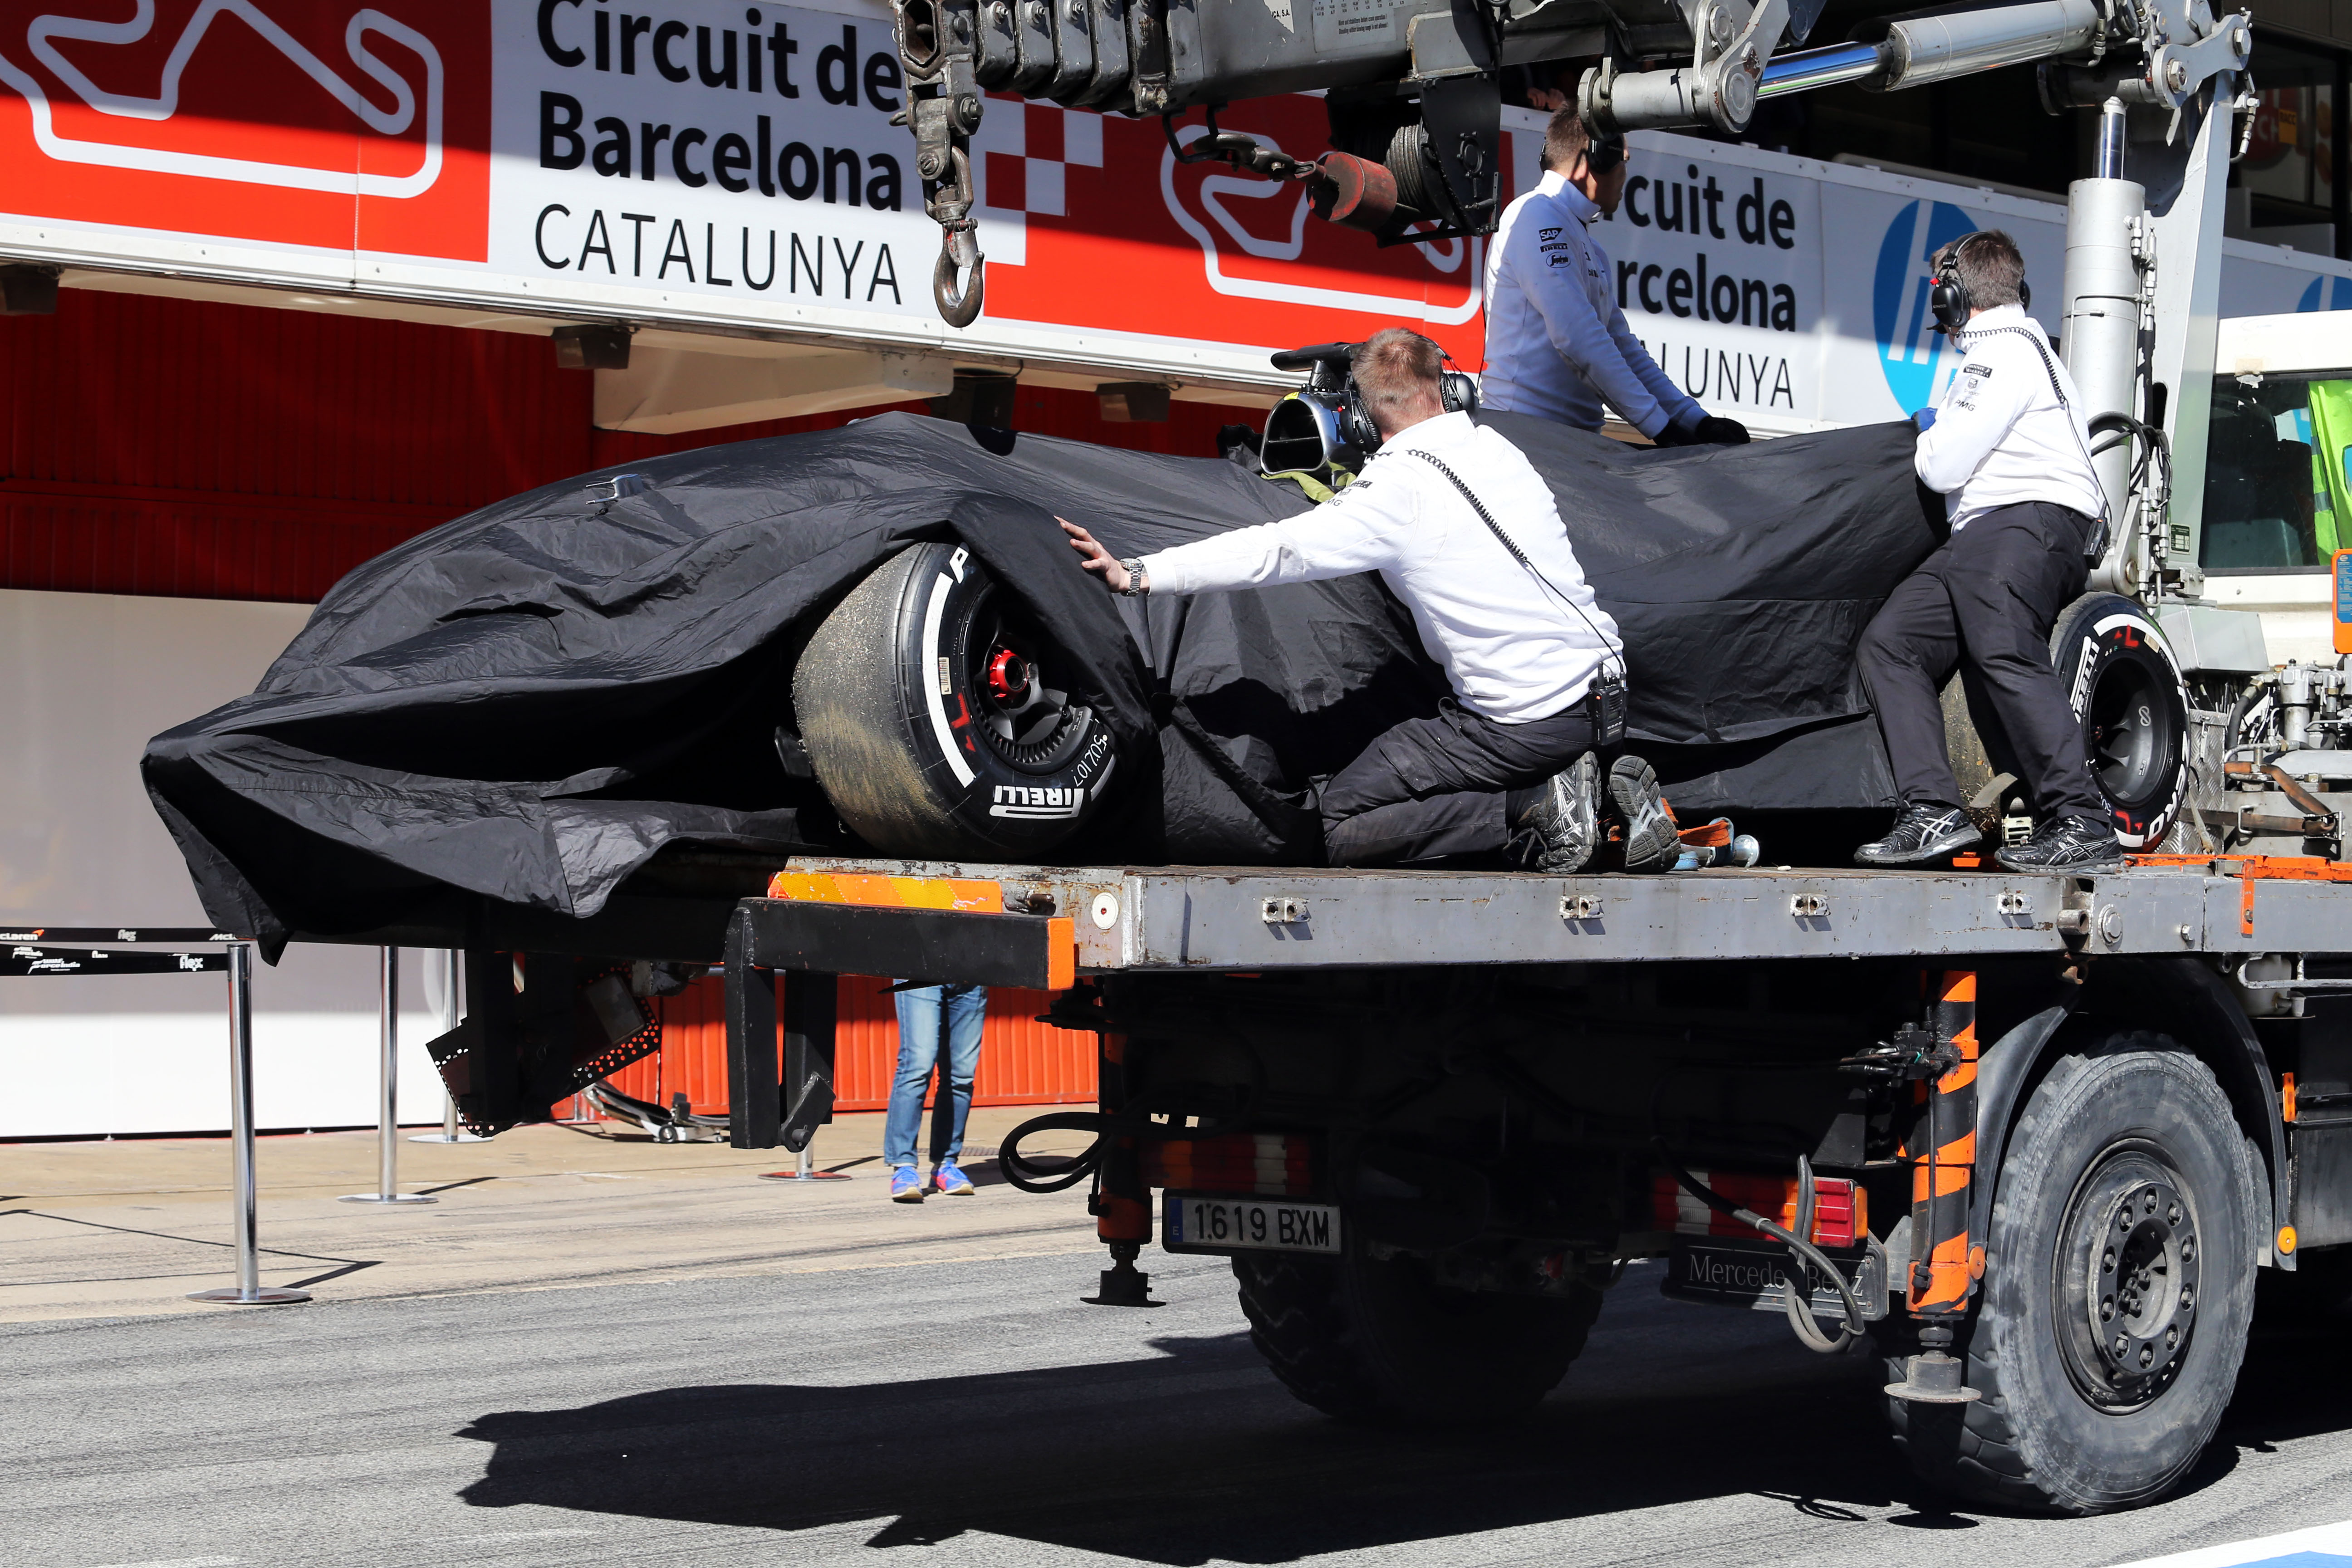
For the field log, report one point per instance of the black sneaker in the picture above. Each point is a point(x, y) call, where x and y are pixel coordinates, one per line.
point(1565, 818)
point(2066, 844)
point(1652, 844)
point(1921, 835)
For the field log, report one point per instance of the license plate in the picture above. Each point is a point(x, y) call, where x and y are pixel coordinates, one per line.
point(1194, 1224)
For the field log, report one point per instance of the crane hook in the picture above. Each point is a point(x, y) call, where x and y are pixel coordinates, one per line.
point(958, 248)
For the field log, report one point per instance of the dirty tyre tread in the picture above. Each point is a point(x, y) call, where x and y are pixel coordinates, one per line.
point(1978, 1451)
point(889, 674)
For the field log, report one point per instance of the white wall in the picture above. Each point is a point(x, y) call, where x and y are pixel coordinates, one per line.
point(85, 679)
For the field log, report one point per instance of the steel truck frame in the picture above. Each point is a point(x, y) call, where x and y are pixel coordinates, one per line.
point(2032, 1137)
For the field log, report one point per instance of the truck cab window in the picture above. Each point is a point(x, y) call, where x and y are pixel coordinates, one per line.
point(2275, 481)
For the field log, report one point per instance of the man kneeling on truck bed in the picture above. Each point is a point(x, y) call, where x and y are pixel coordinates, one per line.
point(1510, 760)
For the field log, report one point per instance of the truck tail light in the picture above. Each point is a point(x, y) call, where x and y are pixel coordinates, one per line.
point(1272, 1164)
point(1841, 1208)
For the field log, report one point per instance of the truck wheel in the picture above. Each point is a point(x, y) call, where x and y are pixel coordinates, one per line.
point(936, 719)
point(2118, 1293)
point(1361, 1338)
point(2127, 694)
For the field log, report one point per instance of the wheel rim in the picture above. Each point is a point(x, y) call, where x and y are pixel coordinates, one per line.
point(2126, 746)
point(2128, 1259)
point(1025, 717)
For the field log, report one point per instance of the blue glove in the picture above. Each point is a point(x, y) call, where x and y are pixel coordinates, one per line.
point(1922, 420)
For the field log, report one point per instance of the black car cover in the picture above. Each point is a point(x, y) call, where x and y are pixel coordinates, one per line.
point(528, 702)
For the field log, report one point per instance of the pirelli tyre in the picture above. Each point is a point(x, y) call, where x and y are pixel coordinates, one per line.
point(2117, 1291)
point(938, 719)
point(2127, 693)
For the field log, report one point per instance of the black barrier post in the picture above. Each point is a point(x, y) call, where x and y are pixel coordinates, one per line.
point(248, 1291)
point(754, 1098)
point(387, 1104)
point(450, 1131)
point(812, 1009)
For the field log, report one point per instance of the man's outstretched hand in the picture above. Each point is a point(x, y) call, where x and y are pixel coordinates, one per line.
point(1094, 557)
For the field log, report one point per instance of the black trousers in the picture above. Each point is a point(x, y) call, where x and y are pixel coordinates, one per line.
point(1985, 603)
point(1433, 790)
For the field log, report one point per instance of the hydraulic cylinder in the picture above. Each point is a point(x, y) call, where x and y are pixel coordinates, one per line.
point(2100, 330)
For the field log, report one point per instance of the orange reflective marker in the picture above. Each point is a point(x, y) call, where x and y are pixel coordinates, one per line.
point(2340, 567)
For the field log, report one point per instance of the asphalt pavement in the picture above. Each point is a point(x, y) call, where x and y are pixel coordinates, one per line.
point(976, 1412)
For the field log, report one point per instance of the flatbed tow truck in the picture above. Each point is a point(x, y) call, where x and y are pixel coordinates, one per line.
point(2031, 1139)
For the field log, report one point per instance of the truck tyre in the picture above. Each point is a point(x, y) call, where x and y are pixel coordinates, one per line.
point(2126, 693)
point(1363, 1339)
point(936, 722)
point(2118, 1293)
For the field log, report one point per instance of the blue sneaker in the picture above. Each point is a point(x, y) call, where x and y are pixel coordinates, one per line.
point(906, 1184)
point(951, 1182)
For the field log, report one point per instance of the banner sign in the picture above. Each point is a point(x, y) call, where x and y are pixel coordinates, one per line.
point(1792, 294)
point(694, 164)
point(722, 166)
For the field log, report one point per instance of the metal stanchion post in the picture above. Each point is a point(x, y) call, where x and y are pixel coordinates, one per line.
point(388, 1110)
point(804, 1170)
point(248, 1291)
point(450, 1131)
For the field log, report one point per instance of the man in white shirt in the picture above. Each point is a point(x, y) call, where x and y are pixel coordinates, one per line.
point(1508, 762)
point(1557, 343)
point(2006, 445)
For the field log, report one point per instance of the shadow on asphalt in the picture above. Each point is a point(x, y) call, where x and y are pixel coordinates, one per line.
point(1196, 1454)
point(1192, 1457)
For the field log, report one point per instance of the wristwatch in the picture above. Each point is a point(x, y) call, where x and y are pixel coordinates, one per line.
point(1135, 584)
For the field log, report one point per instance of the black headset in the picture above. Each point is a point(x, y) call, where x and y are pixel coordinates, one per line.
point(1456, 394)
point(1604, 153)
point(1950, 298)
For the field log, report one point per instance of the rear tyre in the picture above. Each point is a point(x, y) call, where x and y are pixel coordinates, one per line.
point(1361, 1338)
point(938, 719)
point(2117, 1294)
point(2127, 693)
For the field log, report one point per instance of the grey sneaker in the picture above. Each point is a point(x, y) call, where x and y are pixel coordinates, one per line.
point(1921, 836)
point(2066, 844)
point(1652, 844)
point(1566, 818)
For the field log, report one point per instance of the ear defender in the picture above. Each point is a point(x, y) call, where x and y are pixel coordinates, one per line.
point(1948, 298)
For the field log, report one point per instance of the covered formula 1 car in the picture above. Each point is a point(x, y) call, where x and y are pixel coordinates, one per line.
point(876, 635)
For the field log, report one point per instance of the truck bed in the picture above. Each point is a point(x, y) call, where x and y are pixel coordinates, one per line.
point(1010, 924)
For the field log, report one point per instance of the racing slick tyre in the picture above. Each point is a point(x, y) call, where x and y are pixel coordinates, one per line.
point(937, 720)
point(2126, 693)
point(1362, 1338)
point(2118, 1292)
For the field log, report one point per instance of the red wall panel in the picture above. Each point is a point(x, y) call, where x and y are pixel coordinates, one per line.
point(155, 445)
point(1022, 1061)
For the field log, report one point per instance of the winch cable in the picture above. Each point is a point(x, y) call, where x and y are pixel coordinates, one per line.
point(1022, 1171)
point(1809, 1332)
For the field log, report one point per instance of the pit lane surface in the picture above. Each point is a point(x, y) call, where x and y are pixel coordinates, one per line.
point(976, 1412)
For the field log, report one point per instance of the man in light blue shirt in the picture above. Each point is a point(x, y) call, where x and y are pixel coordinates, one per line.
point(1557, 343)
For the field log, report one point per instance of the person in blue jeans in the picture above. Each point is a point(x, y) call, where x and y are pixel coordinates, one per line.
point(920, 1020)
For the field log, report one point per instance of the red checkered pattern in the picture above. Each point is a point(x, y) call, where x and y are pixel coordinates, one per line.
point(1021, 162)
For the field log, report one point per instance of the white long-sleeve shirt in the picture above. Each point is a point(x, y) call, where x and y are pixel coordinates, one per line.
point(2001, 436)
point(1557, 344)
point(1514, 651)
